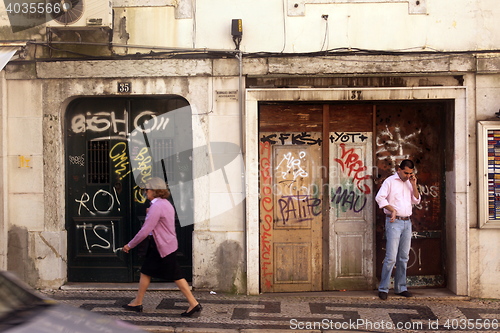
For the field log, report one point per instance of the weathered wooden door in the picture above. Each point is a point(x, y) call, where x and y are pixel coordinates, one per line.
point(351, 212)
point(416, 131)
point(291, 215)
point(316, 188)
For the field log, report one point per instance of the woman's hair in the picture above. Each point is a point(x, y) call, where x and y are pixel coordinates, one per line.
point(159, 186)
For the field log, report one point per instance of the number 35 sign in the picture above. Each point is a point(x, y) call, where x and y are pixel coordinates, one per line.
point(124, 87)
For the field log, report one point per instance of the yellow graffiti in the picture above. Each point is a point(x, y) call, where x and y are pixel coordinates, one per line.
point(143, 160)
point(120, 159)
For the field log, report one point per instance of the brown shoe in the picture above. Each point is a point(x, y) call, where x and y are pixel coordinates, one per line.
point(382, 295)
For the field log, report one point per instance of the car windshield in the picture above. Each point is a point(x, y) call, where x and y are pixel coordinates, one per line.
point(13, 296)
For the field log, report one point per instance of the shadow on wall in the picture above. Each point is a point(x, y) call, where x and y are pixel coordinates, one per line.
point(229, 260)
point(18, 260)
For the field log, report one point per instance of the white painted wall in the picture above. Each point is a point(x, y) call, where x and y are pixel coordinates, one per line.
point(268, 27)
point(484, 243)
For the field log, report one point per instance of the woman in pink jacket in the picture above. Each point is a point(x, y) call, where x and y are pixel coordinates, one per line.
point(160, 261)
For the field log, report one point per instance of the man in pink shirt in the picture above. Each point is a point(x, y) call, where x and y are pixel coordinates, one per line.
point(396, 196)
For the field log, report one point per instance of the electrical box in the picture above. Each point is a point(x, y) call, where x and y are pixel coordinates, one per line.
point(237, 28)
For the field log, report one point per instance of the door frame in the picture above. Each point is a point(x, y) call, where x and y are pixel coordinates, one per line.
point(457, 188)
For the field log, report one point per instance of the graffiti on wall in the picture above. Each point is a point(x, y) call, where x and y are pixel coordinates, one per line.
point(303, 138)
point(347, 137)
point(392, 145)
point(354, 168)
point(298, 208)
point(354, 188)
point(96, 205)
point(267, 208)
point(99, 236)
point(116, 125)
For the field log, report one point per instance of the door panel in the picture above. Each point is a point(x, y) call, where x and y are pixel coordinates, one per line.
point(415, 131)
point(97, 197)
point(351, 214)
point(290, 214)
point(104, 205)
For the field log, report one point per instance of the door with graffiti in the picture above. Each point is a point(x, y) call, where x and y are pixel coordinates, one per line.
point(331, 164)
point(346, 150)
point(291, 215)
point(351, 211)
point(417, 131)
point(290, 198)
point(105, 168)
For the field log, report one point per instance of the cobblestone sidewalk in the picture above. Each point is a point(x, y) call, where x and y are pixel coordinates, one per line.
point(311, 312)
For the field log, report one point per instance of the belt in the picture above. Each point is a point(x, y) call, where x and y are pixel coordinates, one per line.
point(404, 218)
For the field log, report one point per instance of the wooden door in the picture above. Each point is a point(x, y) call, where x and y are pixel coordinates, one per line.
point(417, 131)
point(351, 212)
point(291, 214)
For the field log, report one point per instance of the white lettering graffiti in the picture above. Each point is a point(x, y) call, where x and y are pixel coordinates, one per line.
point(85, 198)
point(105, 244)
point(78, 160)
point(100, 122)
point(158, 125)
point(108, 122)
point(293, 164)
point(395, 143)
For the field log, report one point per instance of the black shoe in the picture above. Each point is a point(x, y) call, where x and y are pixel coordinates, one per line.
point(405, 293)
point(197, 308)
point(136, 308)
point(382, 295)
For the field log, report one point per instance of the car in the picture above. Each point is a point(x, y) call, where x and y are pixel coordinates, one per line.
point(23, 310)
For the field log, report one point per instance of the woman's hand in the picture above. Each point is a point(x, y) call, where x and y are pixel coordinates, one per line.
point(126, 248)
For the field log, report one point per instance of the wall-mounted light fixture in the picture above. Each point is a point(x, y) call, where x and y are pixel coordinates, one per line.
point(237, 32)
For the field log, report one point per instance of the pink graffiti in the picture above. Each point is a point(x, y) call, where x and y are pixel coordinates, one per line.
point(351, 163)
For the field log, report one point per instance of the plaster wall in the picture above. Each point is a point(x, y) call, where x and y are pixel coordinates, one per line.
point(377, 25)
point(484, 245)
point(319, 26)
point(485, 265)
point(219, 190)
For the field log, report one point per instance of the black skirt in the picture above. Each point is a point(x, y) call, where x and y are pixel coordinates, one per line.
point(163, 268)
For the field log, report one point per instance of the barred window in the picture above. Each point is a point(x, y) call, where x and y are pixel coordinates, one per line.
point(98, 162)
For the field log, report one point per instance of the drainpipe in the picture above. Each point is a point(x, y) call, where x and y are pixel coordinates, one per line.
point(242, 114)
point(241, 97)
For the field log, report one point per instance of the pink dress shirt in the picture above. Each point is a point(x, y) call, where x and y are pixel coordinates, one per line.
point(160, 222)
point(398, 194)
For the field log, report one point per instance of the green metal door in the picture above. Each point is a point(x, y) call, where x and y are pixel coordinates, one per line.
point(105, 166)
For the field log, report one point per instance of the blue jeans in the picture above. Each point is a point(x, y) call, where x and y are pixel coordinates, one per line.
point(398, 235)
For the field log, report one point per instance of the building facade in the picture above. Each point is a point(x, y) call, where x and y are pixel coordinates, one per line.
point(274, 133)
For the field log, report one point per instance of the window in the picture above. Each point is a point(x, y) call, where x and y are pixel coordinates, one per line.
point(98, 165)
point(489, 173)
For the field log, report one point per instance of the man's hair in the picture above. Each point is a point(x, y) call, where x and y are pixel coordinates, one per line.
point(407, 163)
